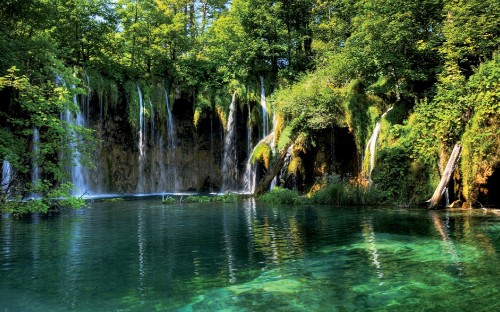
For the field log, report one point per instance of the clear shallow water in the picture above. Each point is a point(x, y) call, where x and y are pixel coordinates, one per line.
point(143, 256)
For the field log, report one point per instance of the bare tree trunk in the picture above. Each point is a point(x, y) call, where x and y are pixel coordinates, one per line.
point(264, 183)
point(445, 178)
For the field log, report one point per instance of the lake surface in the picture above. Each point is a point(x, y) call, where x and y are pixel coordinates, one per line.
point(144, 256)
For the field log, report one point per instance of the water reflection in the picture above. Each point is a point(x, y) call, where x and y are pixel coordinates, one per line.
point(228, 241)
point(447, 242)
point(369, 237)
point(143, 256)
point(141, 244)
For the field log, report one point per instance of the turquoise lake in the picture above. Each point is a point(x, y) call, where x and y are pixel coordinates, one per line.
point(140, 255)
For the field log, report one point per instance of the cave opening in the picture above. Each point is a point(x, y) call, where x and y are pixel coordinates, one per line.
point(491, 191)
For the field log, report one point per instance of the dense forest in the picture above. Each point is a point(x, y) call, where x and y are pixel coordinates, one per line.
point(365, 96)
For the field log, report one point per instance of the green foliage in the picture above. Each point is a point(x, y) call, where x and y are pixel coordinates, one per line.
point(361, 111)
point(480, 152)
point(262, 152)
point(106, 89)
point(197, 199)
point(313, 100)
point(39, 106)
point(471, 31)
point(225, 198)
point(279, 195)
point(169, 200)
point(329, 63)
point(340, 192)
point(401, 179)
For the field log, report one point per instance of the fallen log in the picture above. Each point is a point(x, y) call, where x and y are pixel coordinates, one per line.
point(264, 183)
point(445, 177)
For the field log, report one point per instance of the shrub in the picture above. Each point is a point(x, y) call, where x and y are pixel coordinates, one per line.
point(280, 195)
point(339, 192)
point(169, 201)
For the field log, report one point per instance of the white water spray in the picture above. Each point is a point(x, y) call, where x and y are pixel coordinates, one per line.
point(6, 175)
point(172, 172)
point(230, 161)
point(35, 174)
point(141, 142)
point(78, 174)
point(263, 104)
point(372, 144)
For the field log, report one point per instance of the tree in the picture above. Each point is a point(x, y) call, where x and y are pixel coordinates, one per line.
point(38, 106)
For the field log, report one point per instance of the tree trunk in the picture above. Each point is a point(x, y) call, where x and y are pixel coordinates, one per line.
point(264, 183)
point(445, 178)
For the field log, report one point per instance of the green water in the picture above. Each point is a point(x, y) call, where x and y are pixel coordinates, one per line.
point(143, 256)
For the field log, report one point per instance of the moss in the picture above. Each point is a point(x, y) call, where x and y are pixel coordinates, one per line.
point(480, 153)
point(296, 166)
point(106, 90)
point(481, 140)
point(262, 152)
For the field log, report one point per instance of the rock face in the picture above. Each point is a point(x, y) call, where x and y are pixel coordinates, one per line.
point(488, 187)
point(191, 163)
point(334, 153)
point(193, 160)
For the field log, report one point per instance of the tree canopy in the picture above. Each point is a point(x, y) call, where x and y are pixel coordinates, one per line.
point(328, 62)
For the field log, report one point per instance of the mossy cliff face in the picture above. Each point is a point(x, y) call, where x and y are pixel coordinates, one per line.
point(191, 163)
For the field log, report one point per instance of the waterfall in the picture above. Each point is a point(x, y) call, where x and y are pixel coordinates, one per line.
point(230, 161)
point(77, 170)
point(6, 175)
point(170, 126)
point(152, 114)
point(155, 162)
point(372, 144)
point(86, 104)
point(284, 169)
point(35, 174)
point(250, 174)
point(141, 142)
point(274, 182)
point(172, 172)
point(264, 107)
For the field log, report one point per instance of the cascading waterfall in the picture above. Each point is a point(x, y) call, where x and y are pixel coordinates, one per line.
point(263, 104)
point(157, 163)
point(250, 174)
point(6, 175)
point(152, 112)
point(282, 173)
point(372, 144)
point(172, 172)
point(78, 174)
point(230, 161)
point(35, 174)
point(85, 107)
point(274, 182)
point(141, 142)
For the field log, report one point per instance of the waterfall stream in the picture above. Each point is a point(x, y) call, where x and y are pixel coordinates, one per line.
point(250, 174)
point(78, 172)
point(372, 144)
point(230, 161)
point(263, 104)
point(6, 175)
point(172, 171)
point(35, 173)
point(141, 142)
